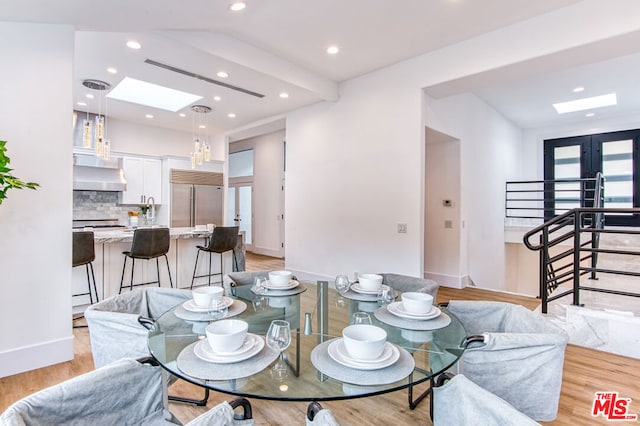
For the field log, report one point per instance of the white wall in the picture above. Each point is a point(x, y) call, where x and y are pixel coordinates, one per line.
point(267, 192)
point(35, 254)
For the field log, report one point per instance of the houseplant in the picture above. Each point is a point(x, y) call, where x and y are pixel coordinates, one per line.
point(8, 181)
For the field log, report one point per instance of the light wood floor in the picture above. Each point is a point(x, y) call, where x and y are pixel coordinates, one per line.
point(586, 371)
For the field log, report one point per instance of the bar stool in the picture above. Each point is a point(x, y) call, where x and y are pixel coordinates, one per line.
point(84, 254)
point(148, 243)
point(223, 239)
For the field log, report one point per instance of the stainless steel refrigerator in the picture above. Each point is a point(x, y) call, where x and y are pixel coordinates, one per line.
point(194, 202)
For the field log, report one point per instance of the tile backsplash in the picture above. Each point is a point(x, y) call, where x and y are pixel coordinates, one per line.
point(99, 205)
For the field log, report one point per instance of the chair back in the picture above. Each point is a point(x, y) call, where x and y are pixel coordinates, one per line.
point(83, 248)
point(150, 242)
point(224, 238)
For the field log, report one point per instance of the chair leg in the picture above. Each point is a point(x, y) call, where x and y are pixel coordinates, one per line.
point(168, 270)
point(124, 266)
point(195, 268)
point(221, 269)
point(133, 267)
point(86, 266)
point(158, 271)
point(198, 402)
point(95, 287)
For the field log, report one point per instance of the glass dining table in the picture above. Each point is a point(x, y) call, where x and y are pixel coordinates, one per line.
point(311, 368)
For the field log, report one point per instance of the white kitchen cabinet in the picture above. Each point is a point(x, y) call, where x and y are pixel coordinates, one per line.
point(144, 180)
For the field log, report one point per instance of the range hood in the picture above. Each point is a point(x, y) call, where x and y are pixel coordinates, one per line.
point(91, 173)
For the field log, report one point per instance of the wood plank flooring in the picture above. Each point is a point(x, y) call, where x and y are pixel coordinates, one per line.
point(585, 372)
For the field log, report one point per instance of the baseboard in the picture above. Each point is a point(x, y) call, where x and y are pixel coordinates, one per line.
point(28, 358)
point(451, 281)
point(267, 252)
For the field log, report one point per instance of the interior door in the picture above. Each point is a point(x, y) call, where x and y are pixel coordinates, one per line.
point(240, 210)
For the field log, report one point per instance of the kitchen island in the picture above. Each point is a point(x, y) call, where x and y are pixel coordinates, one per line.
point(109, 245)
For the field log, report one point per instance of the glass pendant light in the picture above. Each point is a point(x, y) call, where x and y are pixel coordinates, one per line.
point(86, 133)
point(201, 149)
point(102, 145)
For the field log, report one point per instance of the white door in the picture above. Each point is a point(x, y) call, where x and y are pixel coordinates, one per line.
point(240, 210)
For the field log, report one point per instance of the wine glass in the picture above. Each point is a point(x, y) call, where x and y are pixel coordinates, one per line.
point(258, 285)
point(342, 284)
point(361, 318)
point(386, 295)
point(218, 308)
point(279, 335)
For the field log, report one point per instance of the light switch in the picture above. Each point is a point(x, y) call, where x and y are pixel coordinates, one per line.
point(402, 228)
point(448, 224)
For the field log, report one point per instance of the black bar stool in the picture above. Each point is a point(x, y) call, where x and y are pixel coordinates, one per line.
point(224, 239)
point(83, 254)
point(148, 243)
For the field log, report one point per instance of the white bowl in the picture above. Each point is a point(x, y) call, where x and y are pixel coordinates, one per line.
point(417, 303)
point(364, 341)
point(202, 296)
point(280, 277)
point(226, 335)
point(370, 282)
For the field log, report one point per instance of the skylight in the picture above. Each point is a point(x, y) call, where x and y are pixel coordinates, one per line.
point(586, 103)
point(153, 95)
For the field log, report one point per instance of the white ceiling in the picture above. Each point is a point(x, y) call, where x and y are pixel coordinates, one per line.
point(279, 46)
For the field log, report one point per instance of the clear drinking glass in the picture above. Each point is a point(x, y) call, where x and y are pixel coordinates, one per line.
point(279, 335)
point(361, 318)
point(342, 284)
point(258, 285)
point(218, 308)
point(386, 295)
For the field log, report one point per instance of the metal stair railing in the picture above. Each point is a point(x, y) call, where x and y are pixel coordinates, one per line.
point(579, 230)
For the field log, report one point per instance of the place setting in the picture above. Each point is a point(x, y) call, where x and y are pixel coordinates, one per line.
point(209, 303)
point(362, 356)
point(367, 288)
point(227, 352)
point(280, 283)
point(415, 311)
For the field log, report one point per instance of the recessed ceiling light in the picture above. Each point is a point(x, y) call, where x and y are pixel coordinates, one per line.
point(149, 115)
point(153, 95)
point(202, 126)
point(231, 115)
point(586, 103)
point(332, 50)
point(182, 115)
point(284, 95)
point(217, 98)
point(222, 74)
point(578, 89)
point(112, 70)
point(132, 44)
point(82, 103)
point(590, 114)
point(237, 6)
point(89, 96)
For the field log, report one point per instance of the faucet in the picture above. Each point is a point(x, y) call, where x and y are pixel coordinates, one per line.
point(152, 216)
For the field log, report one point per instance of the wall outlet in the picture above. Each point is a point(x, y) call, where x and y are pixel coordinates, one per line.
point(402, 228)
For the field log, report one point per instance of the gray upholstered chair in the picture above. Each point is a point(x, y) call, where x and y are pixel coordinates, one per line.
point(318, 416)
point(124, 392)
point(406, 283)
point(513, 353)
point(242, 279)
point(459, 401)
point(223, 415)
point(114, 329)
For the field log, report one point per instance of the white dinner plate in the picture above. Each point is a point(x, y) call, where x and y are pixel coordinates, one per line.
point(191, 306)
point(338, 353)
point(356, 287)
point(249, 342)
point(398, 310)
point(292, 284)
point(203, 351)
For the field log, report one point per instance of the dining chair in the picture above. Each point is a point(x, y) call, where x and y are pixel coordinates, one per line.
point(223, 239)
point(405, 283)
point(116, 333)
point(84, 254)
point(513, 353)
point(223, 414)
point(147, 244)
point(124, 392)
point(459, 401)
point(319, 416)
point(241, 279)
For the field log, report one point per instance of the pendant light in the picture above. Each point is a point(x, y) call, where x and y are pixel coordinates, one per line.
point(101, 144)
point(201, 148)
